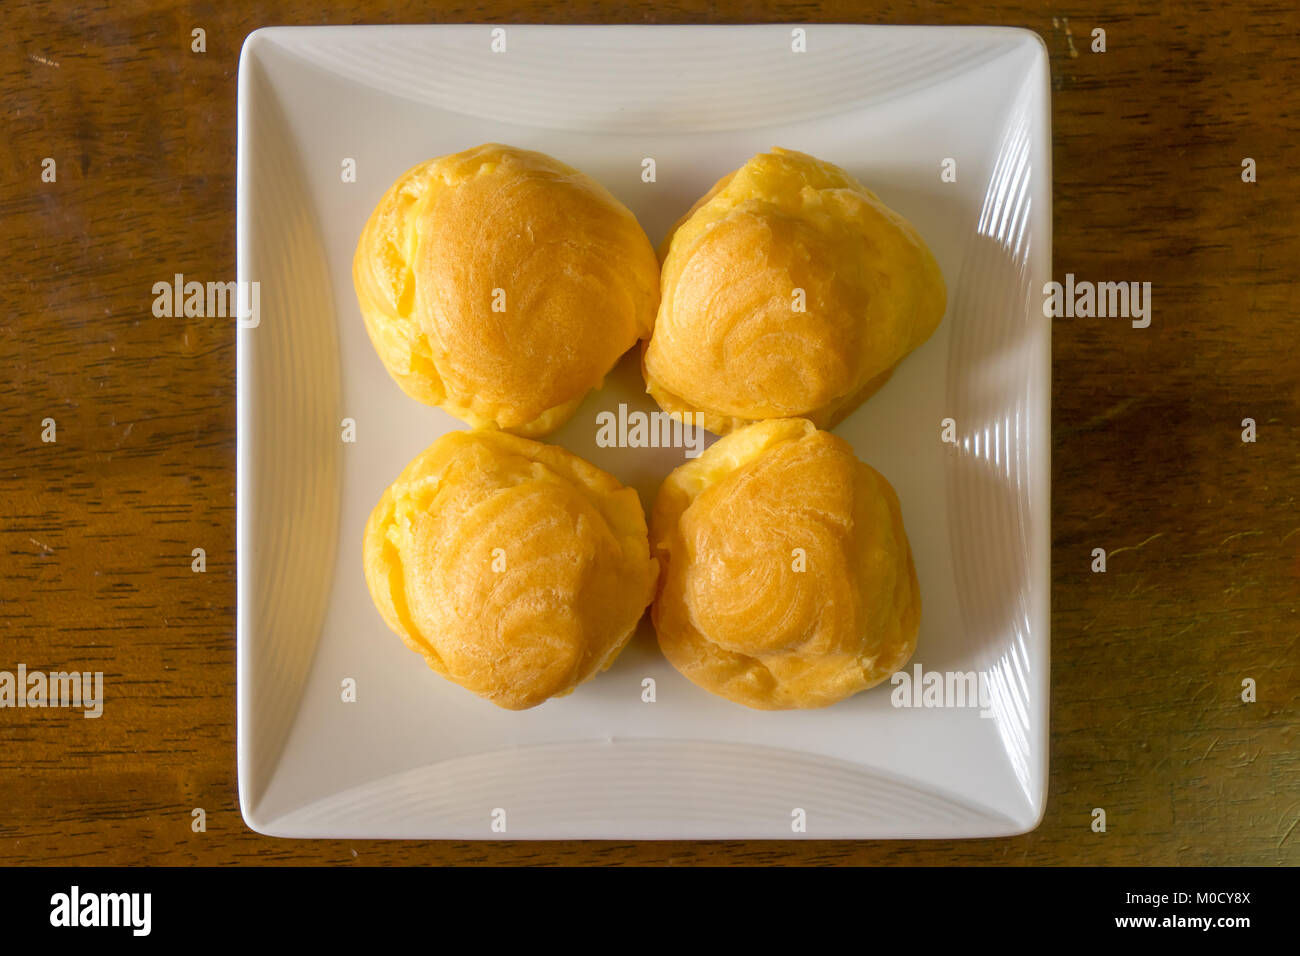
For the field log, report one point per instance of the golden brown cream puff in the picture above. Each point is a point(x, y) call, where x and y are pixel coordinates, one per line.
point(502, 285)
point(516, 569)
point(786, 580)
point(788, 290)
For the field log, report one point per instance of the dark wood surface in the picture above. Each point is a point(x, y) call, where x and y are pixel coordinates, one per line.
point(1203, 585)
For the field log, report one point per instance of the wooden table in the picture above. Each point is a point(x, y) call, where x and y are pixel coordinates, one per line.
point(1203, 579)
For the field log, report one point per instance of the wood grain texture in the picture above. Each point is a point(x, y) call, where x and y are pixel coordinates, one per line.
point(1203, 584)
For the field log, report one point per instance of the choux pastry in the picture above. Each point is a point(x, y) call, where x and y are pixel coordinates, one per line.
point(786, 580)
point(516, 569)
point(502, 285)
point(788, 290)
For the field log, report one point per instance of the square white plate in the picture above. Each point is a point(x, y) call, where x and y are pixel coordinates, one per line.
point(416, 756)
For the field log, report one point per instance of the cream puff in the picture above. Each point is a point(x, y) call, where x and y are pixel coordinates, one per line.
point(786, 579)
point(788, 290)
point(516, 569)
point(502, 285)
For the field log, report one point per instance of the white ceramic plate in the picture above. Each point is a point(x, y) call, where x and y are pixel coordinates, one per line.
point(416, 756)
